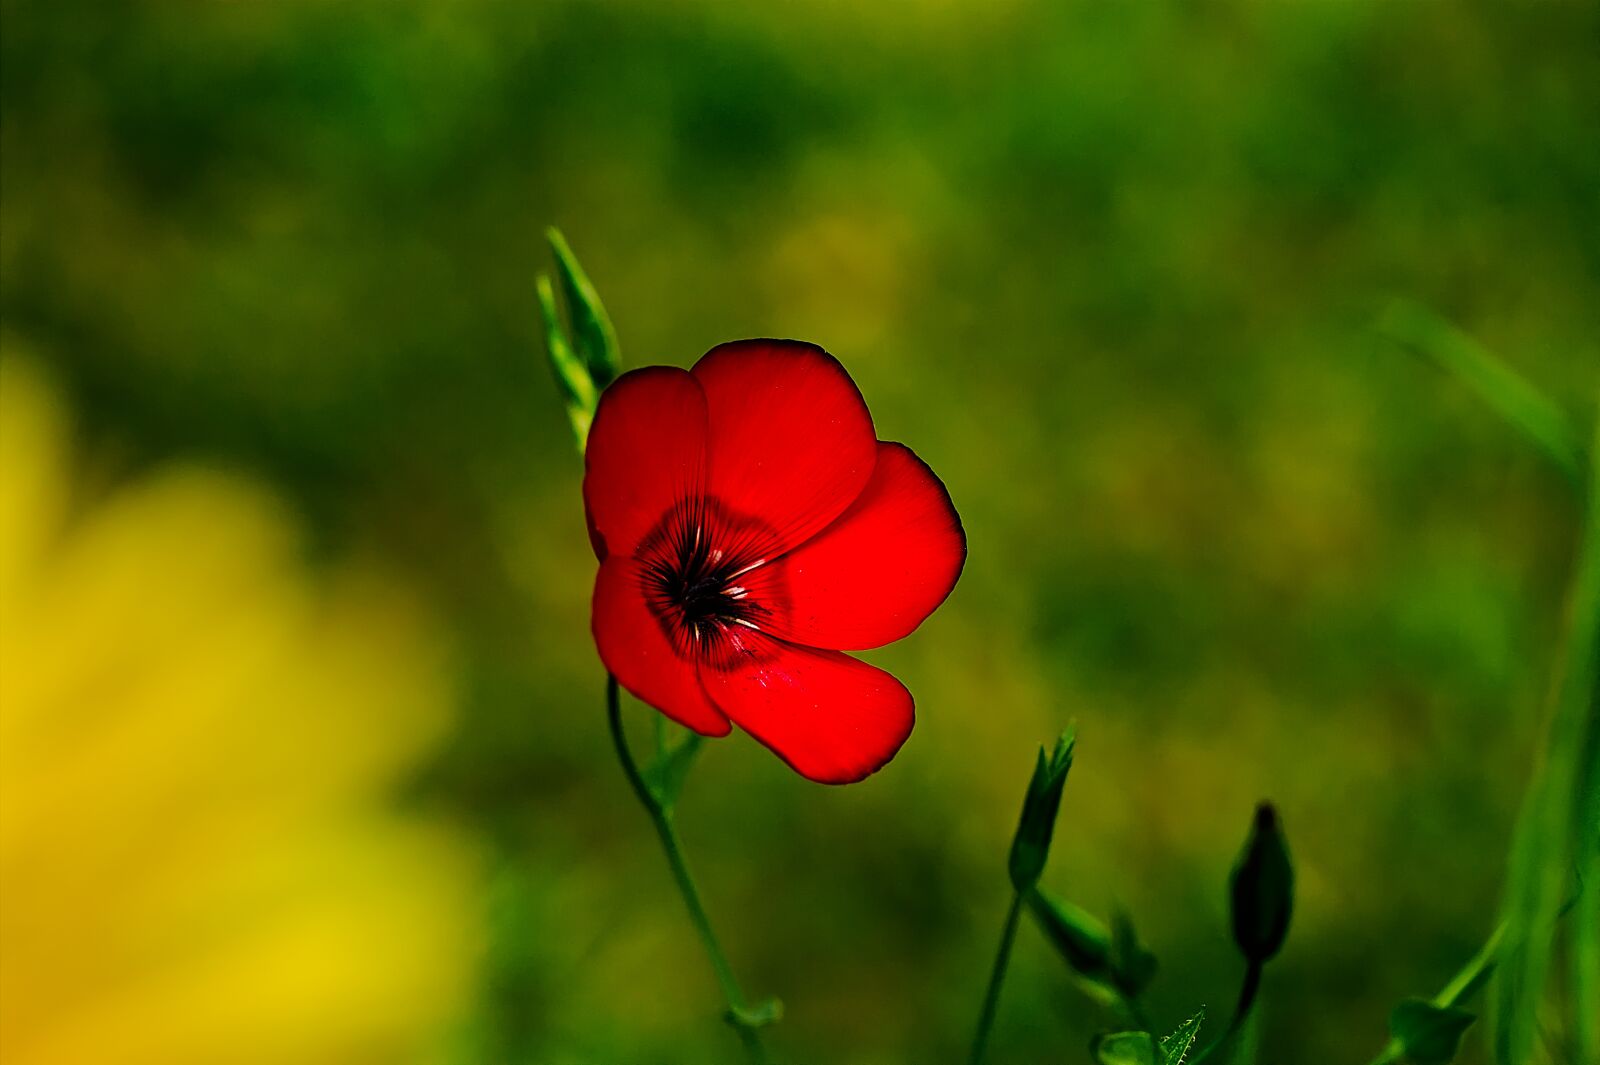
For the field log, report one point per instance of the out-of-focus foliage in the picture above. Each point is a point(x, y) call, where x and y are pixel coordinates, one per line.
point(195, 748)
point(1116, 271)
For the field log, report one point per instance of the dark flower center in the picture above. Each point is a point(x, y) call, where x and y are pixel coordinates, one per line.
point(703, 578)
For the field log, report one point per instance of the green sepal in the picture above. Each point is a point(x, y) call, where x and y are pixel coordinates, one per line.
point(1126, 1048)
point(1261, 889)
point(1132, 966)
point(1428, 1034)
point(596, 339)
point(767, 1011)
point(1031, 846)
point(665, 775)
point(1082, 940)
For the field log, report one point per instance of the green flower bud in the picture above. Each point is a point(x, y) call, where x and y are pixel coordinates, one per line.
point(1031, 845)
point(1262, 889)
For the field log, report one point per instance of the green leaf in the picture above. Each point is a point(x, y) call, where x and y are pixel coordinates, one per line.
point(1175, 1047)
point(1428, 1034)
point(1511, 396)
point(1080, 938)
point(1261, 889)
point(1554, 833)
point(572, 377)
point(1126, 1048)
point(1030, 847)
point(665, 775)
point(1132, 966)
point(591, 326)
point(1586, 948)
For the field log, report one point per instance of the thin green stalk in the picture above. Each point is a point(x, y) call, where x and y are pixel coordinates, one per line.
point(661, 818)
point(991, 998)
point(1248, 990)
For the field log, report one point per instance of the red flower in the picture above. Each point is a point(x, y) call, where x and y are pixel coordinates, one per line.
point(750, 528)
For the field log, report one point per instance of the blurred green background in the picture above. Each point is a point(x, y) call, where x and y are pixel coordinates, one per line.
point(1113, 270)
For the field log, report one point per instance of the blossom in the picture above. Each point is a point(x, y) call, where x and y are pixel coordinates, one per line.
point(199, 857)
point(750, 529)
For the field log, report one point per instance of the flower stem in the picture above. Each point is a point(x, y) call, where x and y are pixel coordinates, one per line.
point(991, 998)
point(1247, 998)
point(661, 818)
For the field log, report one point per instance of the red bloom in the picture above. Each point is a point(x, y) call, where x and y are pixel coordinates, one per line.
point(750, 528)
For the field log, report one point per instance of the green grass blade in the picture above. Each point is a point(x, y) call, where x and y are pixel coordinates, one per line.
point(1554, 830)
point(1517, 401)
point(1586, 957)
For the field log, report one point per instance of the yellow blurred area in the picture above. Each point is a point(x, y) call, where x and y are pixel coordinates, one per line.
point(199, 858)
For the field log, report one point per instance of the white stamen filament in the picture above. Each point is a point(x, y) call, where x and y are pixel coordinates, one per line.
point(747, 569)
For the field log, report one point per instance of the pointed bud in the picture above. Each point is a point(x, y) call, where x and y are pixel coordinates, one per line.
point(596, 340)
point(572, 377)
point(1031, 845)
point(1083, 941)
point(1262, 889)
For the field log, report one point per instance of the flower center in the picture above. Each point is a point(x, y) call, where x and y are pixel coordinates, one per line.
point(703, 579)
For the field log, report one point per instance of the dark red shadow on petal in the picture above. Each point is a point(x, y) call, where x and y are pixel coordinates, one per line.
point(646, 451)
point(790, 438)
point(833, 718)
point(876, 573)
point(635, 648)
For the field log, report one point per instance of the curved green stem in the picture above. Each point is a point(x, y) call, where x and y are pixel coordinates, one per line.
point(661, 818)
point(1247, 999)
point(991, 998)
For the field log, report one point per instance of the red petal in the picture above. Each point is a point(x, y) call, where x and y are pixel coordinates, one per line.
point(835, 719)
point(871, 577)
point(791, 441)
point(646, 452)
point(636, 651)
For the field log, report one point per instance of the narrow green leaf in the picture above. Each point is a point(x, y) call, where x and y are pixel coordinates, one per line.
point(1175, 1047)
point(1261, 889)
point(1030, 847)
point(1429, 1034)
point(591, 326)
point(1126, 1048)
point(1586, 955)
point(572, 377)
point(1512, 397)
point(1555, 829)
